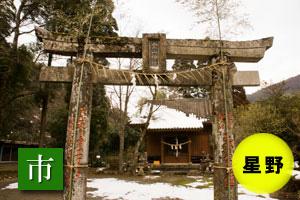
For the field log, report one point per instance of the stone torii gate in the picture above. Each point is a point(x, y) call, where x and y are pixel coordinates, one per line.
point(154, 49)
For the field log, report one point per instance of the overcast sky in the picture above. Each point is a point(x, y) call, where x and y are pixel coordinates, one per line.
point(277, 18)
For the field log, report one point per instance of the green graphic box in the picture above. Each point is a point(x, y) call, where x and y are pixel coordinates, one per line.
point(40, 169)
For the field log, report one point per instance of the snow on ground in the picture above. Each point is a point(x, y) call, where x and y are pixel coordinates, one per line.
point(151, 177)
point(198, 184)
point(296, 173)
point(195, 177)
point(112, 188)
point(11, 186)
point(296, 164)
point(245, 194)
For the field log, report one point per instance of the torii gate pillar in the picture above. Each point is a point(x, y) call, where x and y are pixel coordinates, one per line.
point(78, 133)
point(225, 185)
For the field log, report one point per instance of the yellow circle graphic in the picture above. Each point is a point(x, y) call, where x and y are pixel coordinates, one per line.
point(263, 163)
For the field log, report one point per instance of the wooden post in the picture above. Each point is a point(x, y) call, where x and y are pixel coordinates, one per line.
point(161, 150)
point(225, 186)
point(78, 132)
point(1, 152)
point(10, 152)
point(190, 150)
point(45, 101)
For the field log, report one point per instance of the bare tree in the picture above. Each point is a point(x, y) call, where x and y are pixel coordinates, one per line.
point(123, 94)
point(222, 17)
point(26, 14)
point(144, 128)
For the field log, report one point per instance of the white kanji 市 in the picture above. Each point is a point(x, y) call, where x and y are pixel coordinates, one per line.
point(39, 167)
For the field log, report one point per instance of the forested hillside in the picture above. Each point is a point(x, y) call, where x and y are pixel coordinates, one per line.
point(291, 86)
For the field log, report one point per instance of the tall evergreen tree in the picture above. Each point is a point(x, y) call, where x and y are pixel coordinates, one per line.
point(17, 69)
point(73, 17)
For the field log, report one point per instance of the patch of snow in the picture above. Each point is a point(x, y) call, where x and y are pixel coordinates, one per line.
point(155, 172)
point(112, 188)
point(100, 169)
point(151, 177)
point(199, 181)
point(296, 164)
point(195, 177)
point(11, 186)
point(197, 184)
point(247, 195)
point(296, 174)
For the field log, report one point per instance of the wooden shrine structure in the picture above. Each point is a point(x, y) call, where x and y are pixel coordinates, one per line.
point(219, 74)
point(179, 145)
point(199, 147)
point(175, 136)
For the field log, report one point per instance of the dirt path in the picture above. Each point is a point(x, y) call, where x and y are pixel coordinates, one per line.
point(14, 194)
point(30, 195)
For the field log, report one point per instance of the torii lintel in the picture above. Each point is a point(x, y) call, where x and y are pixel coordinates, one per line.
point(134, 47)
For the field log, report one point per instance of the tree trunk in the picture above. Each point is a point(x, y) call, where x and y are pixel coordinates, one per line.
point(225, 186)
point(43, 119)
point(143, 133)
point(17, 26)
point(121, 148)
point(123, 127)
point(45, 99)
point(16, 37)
point(136, 149)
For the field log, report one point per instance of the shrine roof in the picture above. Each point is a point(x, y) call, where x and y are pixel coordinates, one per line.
point(168, 119)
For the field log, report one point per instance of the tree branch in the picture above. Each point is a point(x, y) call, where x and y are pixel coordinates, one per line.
point(37, 57)
point(117, 93)
point(293, 131)
point(26, 32)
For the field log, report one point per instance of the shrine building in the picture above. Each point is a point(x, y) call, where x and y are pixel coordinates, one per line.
point(174, 137)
